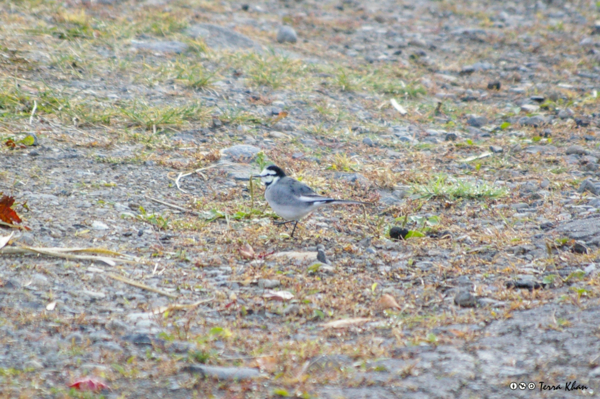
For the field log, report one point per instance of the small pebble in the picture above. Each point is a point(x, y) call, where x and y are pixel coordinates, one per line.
point(465, 299)
point(287, 34)
point(97, 225)
point(494, 85)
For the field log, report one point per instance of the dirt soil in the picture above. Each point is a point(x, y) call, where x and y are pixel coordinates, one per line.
point(130, 129)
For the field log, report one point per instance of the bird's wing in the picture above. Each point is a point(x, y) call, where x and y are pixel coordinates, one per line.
point(308, 195)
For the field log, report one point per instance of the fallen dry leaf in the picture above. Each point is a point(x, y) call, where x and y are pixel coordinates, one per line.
point(387, 302)
point(8, 215)
point(88, 384)
point(5, 240)
point(278, 295)
point(279, 117)
point(343, 323)
point(247, 252)
point(266, 363)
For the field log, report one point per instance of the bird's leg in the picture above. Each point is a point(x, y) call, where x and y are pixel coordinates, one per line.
point(284, 222)
point(295, 224)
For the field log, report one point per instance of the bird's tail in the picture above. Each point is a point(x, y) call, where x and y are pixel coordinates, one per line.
point(347, 202)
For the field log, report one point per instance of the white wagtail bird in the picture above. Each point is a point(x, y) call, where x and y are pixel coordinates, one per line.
point(291, 199)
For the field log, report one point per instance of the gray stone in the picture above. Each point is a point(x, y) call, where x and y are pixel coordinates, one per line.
point(267, 284)
point(97, 225)
point(355, 178)
point(289, 310)
point(287, 34)
point(465, 299)
point(329, 362)
point(576, 150)
point(589, 186)
point(223, 373)
point(74, 337)
point(33, 364)
point(534, 121)
point(39, 280)
point(582, 229)
point(221, 38)
point(172, 46)
point(477, 121)
point(321, 256)
point(241, 152)
point(116, 325)
point(496, 149)
point(368, 141)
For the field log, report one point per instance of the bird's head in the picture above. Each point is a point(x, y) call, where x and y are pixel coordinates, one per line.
point(271, 174)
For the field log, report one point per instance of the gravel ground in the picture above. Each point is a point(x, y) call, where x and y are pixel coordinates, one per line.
point(475, 125)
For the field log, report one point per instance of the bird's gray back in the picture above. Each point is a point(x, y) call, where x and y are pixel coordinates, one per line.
point(284, 198)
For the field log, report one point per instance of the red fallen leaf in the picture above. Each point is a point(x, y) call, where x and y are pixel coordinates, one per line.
point(12, 144)
point(8, 215)
point(263, 255)
point(88, 384)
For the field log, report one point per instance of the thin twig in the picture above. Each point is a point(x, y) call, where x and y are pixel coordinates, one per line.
point(139, 285)
point(12, 225)
point(173, 206)
point(25, 250)
point(33, 112)
point(182, 175)
point(178, 306)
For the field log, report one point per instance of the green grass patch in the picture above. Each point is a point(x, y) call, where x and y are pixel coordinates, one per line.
point(444, 186)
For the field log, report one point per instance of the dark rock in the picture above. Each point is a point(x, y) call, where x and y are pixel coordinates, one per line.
point(368, 141)
point(525, 283)
point(496, 149)
point(398, 233)
point(538, 99)
point(223, 373)
point(467, 70)
point(477, 121)
point(451, 136)
point(321, 256)
point(465, 299)
point(245, 7)
point(579, 248)
point(582, 122)
point(494, 85)
point(142, 340)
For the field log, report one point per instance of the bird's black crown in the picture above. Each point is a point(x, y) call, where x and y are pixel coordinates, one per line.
point(275, 170)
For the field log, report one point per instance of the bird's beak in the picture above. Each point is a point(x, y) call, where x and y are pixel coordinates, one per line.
point(257, 176)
